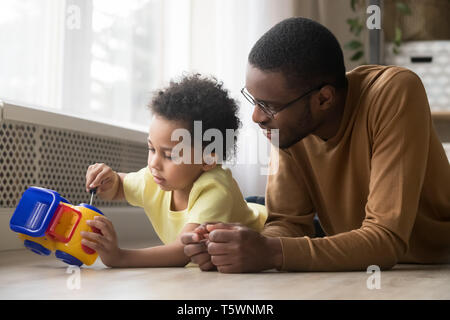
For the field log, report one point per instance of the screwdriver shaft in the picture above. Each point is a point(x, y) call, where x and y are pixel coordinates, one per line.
point(93, 191)
point(92, 198)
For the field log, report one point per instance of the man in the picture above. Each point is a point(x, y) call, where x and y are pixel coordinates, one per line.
point(357, 149)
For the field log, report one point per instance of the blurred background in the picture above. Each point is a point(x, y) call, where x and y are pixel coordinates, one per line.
point(101, 60)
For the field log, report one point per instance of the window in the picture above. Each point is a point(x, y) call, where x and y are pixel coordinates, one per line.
point(97, 59)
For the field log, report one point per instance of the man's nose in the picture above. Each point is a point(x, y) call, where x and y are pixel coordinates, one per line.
point(259, 116)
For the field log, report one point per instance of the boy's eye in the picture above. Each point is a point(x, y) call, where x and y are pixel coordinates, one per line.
point(165, 156)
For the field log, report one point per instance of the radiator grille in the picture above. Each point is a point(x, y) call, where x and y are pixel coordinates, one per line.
point(57, 159)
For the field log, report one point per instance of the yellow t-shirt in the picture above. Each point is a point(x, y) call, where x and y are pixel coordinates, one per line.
point(215, 196)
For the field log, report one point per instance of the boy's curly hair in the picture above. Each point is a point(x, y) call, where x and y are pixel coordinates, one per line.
point(198, 98)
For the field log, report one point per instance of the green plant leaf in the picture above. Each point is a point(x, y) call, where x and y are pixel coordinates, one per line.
point(352, 23)
point(357, 55)
point(403, 8)
point(353, 4)
point(398, 36)
point(356, 26)
point(353, 45)
point(358, 29)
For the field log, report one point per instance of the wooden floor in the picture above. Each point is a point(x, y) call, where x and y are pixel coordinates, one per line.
point(25, 275)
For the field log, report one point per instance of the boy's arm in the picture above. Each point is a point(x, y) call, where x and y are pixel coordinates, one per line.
point(170, 255)
point(120, 194)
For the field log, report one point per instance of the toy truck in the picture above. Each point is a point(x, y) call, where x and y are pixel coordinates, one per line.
point(47, 222)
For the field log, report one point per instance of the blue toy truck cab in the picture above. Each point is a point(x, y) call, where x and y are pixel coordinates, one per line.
point(35, 211)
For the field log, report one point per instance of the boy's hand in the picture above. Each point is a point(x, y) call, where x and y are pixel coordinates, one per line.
point(236, 248)
point(195, 247)
point(105, 243)
point(103, 178)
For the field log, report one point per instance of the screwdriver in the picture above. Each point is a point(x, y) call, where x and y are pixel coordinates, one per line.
point(92, 191)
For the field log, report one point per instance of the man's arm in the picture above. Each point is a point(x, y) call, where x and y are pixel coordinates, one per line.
point(288, 203)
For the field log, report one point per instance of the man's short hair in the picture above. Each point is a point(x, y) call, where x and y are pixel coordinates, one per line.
point(306, 52)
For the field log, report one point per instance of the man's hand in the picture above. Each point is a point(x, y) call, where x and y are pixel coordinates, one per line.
point(105, 243)
point(234, 248)
point(195, 247)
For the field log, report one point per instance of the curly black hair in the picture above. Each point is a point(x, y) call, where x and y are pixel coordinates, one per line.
point(305, 51)
point(199, 98)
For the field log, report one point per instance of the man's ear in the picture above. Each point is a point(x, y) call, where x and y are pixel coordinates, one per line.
point(209, 162)
point(326, 97)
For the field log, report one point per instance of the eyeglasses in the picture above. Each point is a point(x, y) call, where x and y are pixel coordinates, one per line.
point(270, 111)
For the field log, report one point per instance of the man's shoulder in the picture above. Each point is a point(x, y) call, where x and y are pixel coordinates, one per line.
point(371, 78)
point(387, 91)
point(376, 69)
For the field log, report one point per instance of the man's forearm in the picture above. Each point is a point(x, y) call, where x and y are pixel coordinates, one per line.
point(275, 252)
point(347, 251)
point(283, 229)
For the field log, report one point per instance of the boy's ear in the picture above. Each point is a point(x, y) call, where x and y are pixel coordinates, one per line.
point(209, 162)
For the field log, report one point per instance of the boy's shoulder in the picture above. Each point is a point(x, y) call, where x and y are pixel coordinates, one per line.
point(213, 186)
point(217, 176)
point(138, 176)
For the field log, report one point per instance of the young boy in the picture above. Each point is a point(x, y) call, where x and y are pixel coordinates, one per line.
point(177, 195)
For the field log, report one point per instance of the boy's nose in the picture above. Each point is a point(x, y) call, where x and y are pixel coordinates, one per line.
point(155, 162)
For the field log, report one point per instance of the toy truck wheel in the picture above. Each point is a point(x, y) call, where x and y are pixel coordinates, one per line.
point(67, 258)
point(36, 248)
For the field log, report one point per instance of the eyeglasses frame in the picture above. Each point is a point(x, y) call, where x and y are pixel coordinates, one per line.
point(266, 109)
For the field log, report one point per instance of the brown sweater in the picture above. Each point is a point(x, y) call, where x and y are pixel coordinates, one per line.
point(380, 186)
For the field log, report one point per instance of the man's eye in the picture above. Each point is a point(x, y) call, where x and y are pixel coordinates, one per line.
point(267, 106)
point(272, 107)
point(152, 150)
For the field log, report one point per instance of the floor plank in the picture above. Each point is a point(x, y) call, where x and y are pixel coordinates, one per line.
point(24, 275)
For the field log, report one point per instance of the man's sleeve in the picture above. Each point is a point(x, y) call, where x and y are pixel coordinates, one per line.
point(400, 128)
point(288, 203)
